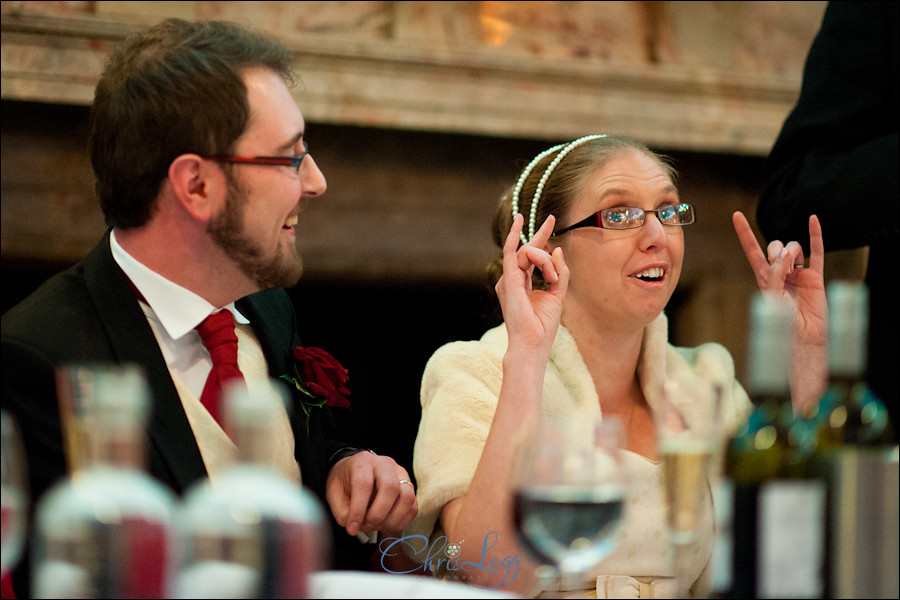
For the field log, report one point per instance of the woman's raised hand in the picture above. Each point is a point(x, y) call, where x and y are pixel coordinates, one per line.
point(780, 271)
point(532, 316)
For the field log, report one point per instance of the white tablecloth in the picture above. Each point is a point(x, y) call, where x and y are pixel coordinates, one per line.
point(359, 584)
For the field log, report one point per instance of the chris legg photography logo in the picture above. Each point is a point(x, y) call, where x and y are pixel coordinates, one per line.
point(441, 555)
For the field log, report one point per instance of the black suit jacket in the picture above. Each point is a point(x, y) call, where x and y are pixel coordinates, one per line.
point(90, 313)
point(837, 156)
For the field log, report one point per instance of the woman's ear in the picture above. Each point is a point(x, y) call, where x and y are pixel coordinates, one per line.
point(198, 184)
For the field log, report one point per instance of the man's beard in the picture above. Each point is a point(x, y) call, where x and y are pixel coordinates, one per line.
point(268, 271)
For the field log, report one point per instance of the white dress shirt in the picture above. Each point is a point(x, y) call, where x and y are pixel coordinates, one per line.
point(173, 312)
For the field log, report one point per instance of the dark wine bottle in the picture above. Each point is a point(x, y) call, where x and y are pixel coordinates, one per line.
point(778, 509)
point(855, 447)
point(849, 414)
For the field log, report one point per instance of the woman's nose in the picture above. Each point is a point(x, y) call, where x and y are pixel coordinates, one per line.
point(653, 233)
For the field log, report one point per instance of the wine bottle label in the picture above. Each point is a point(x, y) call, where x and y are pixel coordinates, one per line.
point(791, 526)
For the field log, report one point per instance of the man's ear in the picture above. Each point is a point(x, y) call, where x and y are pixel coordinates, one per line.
point(198, 184)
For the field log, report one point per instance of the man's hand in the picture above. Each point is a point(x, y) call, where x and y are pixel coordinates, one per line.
point(367, 492)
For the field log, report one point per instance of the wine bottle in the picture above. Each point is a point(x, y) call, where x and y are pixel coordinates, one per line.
point(849, 414)
point(251, 532)
point(778, 499)
point(107, 531)
point(855, 438)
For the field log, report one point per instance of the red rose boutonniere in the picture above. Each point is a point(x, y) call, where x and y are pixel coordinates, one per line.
point(320, 379)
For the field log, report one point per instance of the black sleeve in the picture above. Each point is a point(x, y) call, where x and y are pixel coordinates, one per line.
point(29, 397)
point(837, 153)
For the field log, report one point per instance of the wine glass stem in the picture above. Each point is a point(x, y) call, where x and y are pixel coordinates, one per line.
point(546, 576)
point(682, 561)
point(571, 583)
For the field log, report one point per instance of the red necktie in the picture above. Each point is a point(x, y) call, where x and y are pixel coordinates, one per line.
point(217, 333)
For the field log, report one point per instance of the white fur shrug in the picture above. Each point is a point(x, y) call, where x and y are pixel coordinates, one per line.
point(459, 394)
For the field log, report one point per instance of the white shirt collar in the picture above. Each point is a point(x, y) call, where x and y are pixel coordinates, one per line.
point(178, 309)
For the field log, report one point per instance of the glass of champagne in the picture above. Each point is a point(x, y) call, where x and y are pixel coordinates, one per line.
point(569, 495)
point(14, 494)
point(75, 386)
point(688, 427)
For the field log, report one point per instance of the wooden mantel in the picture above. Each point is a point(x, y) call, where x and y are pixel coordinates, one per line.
point(421, 111)
point(409, 84)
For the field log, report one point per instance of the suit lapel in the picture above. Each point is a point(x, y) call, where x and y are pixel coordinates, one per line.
point(273, 328)
point(173, 454)
point(272, 317)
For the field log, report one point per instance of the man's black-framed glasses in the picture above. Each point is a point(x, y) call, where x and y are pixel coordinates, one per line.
point(632, 217)
point(271, 161)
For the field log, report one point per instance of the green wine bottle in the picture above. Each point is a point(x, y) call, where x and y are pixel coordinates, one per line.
point(849, 414)
point(855, 440)
point(778, 497)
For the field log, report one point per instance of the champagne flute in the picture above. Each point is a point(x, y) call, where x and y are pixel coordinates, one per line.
point(688, 431)
point(569, 494)
point(14, 495)
point(76, 385)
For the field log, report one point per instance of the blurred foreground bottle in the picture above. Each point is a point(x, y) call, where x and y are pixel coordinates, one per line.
point(858, 457)
point(848, 413)
point(249, 532)
point(778, 524)
point(106, 531)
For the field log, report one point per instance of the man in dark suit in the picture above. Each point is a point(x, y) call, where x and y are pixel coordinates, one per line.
point(837, 156)
point(202, 168)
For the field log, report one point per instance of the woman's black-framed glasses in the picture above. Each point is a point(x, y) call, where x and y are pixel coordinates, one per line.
point(268, 161)
point(632, 217)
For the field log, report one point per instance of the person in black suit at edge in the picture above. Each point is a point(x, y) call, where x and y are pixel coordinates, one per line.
point(195, 228)
point(837, 157)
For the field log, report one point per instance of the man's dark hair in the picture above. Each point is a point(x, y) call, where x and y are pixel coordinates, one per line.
point(166, 91)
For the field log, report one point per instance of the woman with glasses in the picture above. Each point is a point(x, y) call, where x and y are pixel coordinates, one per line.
point(592, 242)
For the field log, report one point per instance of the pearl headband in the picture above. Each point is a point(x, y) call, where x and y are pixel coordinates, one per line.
point(566, 148)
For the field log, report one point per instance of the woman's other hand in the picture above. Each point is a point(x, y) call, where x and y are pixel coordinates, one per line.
point(781, 272)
